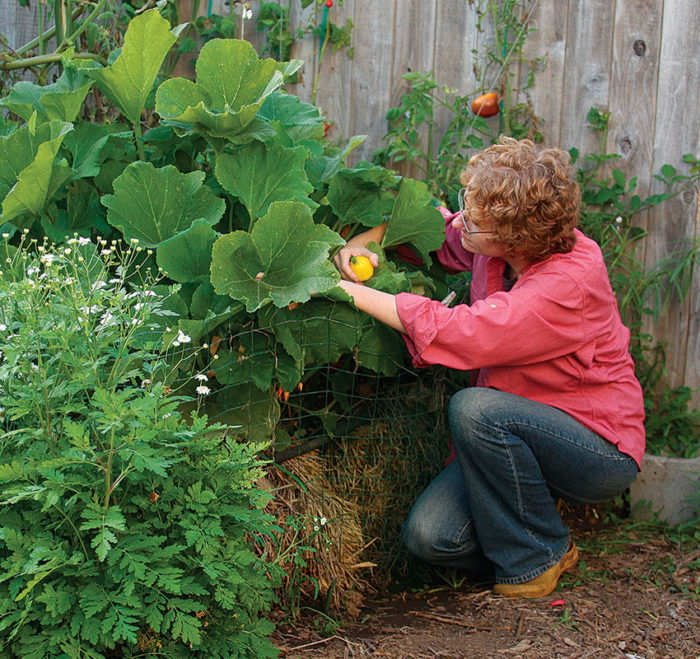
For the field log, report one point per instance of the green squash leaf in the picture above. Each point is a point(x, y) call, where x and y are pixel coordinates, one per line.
point(129, 80)
point(204, 300)
point(91, 144)
point(61, 100)
point(153, 205)
point(252, 413)
point(251, 358)
point(320, 168)
point(231, 86)
point(300, 121)
point(187, 255)
point(260, 175)
point(415, 220)
point(380, 349)
point(315, 333)
point(284, 259)
point(30, 173)
point(358, 195)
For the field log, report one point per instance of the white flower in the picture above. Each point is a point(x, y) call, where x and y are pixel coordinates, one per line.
point(138, 305)
point(98, 284)
point(31, 271)
point(93, 309)
point(200, 376)
point(82, 241)
point(115, 281)
point(5, 235)
point(3, 327)
point(145, 383)
point(134, 241)
point(182, 338)
point(203, 390)
point(105, 252)
point(618, 220)
point(48, 259)
point(106, 318)
point(247, 12)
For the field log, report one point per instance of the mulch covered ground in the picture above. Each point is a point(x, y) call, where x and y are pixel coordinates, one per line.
point(635, 594)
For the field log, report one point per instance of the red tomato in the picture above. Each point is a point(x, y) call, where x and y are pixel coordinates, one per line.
point(329, 3)
point(486, 105)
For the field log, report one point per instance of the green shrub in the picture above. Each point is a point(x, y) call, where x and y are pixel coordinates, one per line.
point(126, 527)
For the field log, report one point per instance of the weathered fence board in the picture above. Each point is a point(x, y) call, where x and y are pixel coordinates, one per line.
point(636, 58)
point(676, 131)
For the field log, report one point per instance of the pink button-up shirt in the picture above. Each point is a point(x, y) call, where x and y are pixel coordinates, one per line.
point(556, 337)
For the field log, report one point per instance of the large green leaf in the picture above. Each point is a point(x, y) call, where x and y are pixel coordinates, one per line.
point(250, 358)
point(30, 173)
point(253, 413)
point(381, 348)
point(320, 168)
point(415, 220)
point(231, 86)
point(283, 260)
point(129, 80)
point(359, 195)
point(318, 332)
point(91, 144)
point(61, 100)
point(300, 121)
point(260, 175)
point(153, 205)
point(187, 255)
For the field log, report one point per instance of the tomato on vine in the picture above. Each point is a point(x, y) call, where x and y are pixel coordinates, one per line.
point(329, 3)
point(486, 105)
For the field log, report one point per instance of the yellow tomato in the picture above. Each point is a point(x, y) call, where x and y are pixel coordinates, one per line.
point(362, 267)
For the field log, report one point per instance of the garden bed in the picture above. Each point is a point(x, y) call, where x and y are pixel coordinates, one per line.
point(635, 595)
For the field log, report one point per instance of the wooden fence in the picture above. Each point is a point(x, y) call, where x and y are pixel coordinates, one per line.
point(634, 58)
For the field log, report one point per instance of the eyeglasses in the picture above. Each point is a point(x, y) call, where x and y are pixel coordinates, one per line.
point(460, 201)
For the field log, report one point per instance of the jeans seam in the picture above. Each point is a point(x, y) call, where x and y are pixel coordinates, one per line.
point(521, 509)
point(622, 457)
point(460, 535)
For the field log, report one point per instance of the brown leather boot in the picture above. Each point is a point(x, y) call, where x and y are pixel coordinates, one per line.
point(545, 583)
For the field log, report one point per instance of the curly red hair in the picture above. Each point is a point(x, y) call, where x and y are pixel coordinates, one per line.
point(526, 194)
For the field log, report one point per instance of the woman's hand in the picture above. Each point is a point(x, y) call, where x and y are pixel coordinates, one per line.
point(357, 246)
point(342, 260)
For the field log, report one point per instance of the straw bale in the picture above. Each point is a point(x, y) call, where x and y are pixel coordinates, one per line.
point(320, 528)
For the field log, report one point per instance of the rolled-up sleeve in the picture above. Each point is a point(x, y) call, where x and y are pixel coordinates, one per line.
point(503, 329)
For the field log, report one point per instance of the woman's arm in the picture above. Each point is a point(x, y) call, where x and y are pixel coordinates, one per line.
point(378, 304)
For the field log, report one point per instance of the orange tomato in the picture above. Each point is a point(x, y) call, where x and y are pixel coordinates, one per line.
point(486, 105)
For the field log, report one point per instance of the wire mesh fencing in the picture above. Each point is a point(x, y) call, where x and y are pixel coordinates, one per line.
point(351, 445)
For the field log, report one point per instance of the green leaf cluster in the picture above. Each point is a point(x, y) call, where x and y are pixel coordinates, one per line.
point(233, 192)
point(126, 528)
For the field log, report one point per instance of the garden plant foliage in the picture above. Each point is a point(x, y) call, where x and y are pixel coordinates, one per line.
point(123, 524)
point(234, 187)
point(129, 519)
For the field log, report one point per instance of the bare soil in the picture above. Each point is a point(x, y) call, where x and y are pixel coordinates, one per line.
point(635, 594)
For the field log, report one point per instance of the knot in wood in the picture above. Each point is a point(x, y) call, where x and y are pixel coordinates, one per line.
point(639, 47)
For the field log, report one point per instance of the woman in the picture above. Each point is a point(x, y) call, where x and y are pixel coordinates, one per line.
point(557, 410)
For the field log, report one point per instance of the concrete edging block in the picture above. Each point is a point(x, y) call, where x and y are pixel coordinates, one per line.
point(669, 487)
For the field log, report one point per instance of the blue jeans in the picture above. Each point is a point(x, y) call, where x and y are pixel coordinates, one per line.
point(497, 500)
